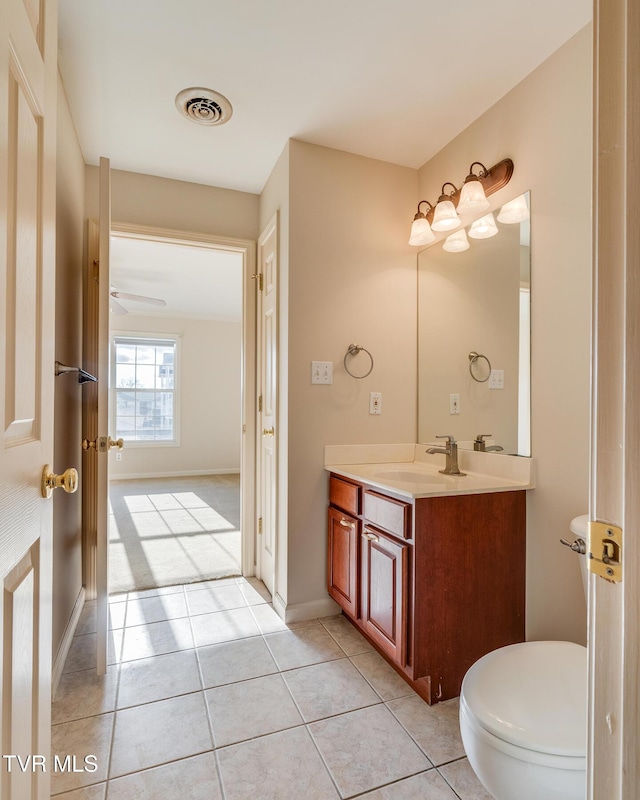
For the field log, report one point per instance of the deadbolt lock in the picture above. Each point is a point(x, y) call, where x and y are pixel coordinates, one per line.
point(604, 551)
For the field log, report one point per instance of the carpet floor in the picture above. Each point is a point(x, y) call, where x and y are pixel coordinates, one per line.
point(170, 531)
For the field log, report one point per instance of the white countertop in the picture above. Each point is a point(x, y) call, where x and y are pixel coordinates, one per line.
point(407, 470)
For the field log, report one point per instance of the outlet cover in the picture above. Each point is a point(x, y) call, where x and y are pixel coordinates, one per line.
point(496, 379)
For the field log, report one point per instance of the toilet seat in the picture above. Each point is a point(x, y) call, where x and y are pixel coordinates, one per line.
point(530, 701)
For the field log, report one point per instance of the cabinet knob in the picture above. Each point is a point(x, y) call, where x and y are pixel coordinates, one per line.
point(268, 431)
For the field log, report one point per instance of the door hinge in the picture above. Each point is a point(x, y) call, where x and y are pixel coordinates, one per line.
point(258, 276)
point(259, 524)
point(260, 403)
point(604, 551)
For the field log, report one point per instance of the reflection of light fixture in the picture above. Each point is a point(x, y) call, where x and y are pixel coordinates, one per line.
point(445, 217)
point(515, 210)
point(484, 227)
point(456, 242)
point(472, 197)
point(421, 232)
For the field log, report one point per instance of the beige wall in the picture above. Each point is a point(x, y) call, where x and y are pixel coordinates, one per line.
point(178, 205)
point(351, 278)
point(209, 400)
point(67, 556)
point(544, 125)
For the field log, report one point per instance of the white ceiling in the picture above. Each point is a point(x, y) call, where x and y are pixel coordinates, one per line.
point(196, 282)
point(389, 79)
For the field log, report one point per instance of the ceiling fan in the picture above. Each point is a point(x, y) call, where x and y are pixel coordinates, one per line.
point(118, 308)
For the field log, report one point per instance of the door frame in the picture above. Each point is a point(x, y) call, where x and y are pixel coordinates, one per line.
point(246, 248)
point(613, 769)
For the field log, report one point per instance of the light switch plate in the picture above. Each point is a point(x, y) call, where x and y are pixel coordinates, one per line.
point(375, 402)
point(322, 372)
point(454, 403)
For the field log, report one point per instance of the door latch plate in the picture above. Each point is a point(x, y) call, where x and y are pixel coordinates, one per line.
point(604, 551)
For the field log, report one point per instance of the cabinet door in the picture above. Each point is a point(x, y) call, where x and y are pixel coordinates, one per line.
point(342, 564)
point(385, 577)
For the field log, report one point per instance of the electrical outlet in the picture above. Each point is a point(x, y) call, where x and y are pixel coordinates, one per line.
point(454, 403)
point(322, 372)
point(375, 402)
point(496, 379)
point(118, 456)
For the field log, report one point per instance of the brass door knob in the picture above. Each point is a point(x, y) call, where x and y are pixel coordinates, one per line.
point(268, 431)
point(67, 481)
point(119, 443)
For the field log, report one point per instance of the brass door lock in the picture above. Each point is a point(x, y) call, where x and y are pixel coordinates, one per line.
point(604, 551)
point(50, 481)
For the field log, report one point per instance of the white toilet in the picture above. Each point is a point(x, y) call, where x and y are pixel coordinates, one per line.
point(523, 718)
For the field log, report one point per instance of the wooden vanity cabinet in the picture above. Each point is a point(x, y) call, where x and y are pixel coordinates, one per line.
point(434, 584)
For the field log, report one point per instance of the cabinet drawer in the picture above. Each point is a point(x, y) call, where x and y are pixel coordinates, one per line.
point(344, 495)
point(391, 515)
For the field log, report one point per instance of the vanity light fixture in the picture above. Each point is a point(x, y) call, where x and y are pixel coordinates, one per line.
point(515, 210)
point(483, 228)
point(421, 232)
point(445, 217)
point(456, 242)
point(472, 197)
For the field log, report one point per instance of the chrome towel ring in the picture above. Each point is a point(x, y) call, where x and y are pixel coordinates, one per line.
point(473, 358)
point(353, 350)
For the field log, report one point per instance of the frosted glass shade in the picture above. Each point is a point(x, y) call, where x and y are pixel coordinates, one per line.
point(421, 232)
point(515, 210)
point(445, 217)
point(472, 198)
point(483, 228)
point(457, 242)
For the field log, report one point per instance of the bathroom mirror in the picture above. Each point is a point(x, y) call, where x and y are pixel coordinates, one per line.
point(477, 301)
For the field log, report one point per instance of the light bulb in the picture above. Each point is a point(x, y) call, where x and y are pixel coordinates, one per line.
point(483, 228)
point(445, 217)
point(515, 210)
point(457, 242)
point(472, 197)
point(421, 232)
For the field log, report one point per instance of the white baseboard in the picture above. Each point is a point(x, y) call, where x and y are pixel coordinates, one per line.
point(298, 612)
point(65, 644)
point(132, 476)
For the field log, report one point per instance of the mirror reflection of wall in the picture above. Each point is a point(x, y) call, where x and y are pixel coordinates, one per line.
point(476, 300)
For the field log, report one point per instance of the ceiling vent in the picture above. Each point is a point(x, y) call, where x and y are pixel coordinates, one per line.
point(204, 106)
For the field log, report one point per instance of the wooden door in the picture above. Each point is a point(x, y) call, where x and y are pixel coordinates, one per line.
point(95, 499)
point(342, 568)
point(267, 434)
point(614, 619)
point(28, 74)
point(385, 579)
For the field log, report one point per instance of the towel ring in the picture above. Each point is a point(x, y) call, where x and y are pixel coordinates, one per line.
point(473, 357)
point(353, 350)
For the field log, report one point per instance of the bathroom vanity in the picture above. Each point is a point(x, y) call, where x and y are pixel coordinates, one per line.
point(430, 568)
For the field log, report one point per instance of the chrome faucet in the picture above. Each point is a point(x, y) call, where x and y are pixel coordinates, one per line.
point(450, 450)
point(480, 445)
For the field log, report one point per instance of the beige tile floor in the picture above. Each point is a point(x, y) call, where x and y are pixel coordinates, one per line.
point(210, 696)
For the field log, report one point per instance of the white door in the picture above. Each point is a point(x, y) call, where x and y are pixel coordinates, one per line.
point(28, 74)
point(614, 608)
point(95, 498)
point(267, 402)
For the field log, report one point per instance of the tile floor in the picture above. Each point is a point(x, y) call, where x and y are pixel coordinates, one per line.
point(210, 696)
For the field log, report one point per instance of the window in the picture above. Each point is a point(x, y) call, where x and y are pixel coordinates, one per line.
point(143, 388)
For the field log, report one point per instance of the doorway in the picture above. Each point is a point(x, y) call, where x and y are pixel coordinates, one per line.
point(180, 510)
